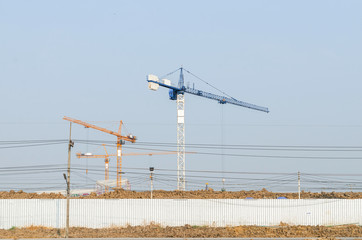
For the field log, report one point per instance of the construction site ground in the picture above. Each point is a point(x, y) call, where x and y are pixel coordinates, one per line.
point(187, 231)
point(197, 194)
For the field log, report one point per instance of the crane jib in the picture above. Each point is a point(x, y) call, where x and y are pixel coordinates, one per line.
point(221, 99)
point(224, 100)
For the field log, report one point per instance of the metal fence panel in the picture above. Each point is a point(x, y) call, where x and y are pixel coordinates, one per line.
point(100, 213)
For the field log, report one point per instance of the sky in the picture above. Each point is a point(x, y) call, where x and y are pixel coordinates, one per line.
point(89, 60)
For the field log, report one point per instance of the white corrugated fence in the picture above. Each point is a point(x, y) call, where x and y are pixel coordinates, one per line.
point(100, 213)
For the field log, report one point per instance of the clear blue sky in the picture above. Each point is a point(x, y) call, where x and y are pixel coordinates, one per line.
point(89, 60)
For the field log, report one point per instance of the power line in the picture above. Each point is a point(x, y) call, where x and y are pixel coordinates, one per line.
point(200, 145)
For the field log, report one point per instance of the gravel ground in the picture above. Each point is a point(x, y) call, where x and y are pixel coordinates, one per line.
point(187, 231)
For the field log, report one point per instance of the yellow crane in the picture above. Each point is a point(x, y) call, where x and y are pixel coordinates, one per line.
point(106, 158)
point(120, 141)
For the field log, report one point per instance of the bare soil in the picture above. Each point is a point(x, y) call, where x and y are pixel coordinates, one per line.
point(187, 231)
point(197, 194)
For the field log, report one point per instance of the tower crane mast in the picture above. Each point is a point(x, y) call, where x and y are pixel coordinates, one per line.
point(177, 93)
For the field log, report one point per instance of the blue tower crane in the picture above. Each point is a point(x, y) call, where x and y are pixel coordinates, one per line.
point(177, 93)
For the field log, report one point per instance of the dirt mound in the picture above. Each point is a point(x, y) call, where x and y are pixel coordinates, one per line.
point(210, 194)
point(23, 195)
point(197, 194)
point(187, 231)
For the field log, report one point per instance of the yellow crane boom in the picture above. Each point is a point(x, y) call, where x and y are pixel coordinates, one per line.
point(106, 159)
point(85, 155)
point(129, 138)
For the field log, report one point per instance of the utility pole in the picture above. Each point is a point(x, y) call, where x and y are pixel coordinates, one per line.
point(71, 144)
point(298, 185)
point(151, 177)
